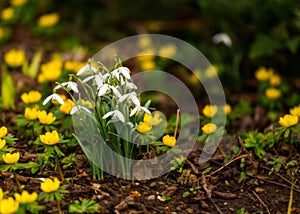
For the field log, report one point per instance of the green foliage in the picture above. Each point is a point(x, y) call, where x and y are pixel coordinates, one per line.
point(86, 206)
point(255, 141)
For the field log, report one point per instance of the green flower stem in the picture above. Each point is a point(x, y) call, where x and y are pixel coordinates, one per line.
point(59, 169)
point(16, 178)
point(58, 207)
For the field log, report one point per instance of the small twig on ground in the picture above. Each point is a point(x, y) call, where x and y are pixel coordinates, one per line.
point(262, 202)
point(230, 162)
point(279, 184)
point(177, 121)
point(208, 190)
point(283, 178)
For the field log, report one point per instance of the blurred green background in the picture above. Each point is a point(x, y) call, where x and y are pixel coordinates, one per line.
point(263, 33)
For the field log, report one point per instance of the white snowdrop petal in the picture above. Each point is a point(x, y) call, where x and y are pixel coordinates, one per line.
point(103, 90)
point(58, 99)
point(47, 99)
point(133, 111)
point(108, 114)
point(119, 115)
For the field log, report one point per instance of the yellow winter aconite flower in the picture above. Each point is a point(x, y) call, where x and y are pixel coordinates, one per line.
point(67, 106)
point(45, 118)
point(3, 131)
point(209, 128)
point(262, 74)
point(31, 97)
point(31, 113)
point(50, 71)
point(288, 120)
point(169, 140)
point(48, 20)
point(209, 110)
point(25, 197)
point(50, 185)
point(7, 13)
point(18, 3)
point(295, 111)
point(273, 93)
point(9, 206)
point(167, 51)
point(50, 138)
point(153, 120)
point(211, 71)
point(11, 158)
point(15, 58)
point(147, 65)
point(74, 66)
point(227, 109)
point(275, 80)
point(2, 143)
point(144, 127)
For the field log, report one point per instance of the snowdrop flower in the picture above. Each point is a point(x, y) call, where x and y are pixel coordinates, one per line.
point(85, 68)
point(103, 89)
point(71, 85)
point(115, 113)
point(129, 85)
point(78, 108)
point(55, 97)
point(135, 101)
point(222, 37)
point(121, 70)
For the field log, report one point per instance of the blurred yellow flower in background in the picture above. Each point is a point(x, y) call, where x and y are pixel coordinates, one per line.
point(31, 113)
point(50, 138)
point(7, 13)
point(25, 197)
point(209, 110)
point(18, 3)
point(211, 71)
point(169, 140)
point(273, 93)
point(50, 71)
point(45, 118)
point(15, 58)
point(9, 205)
point(31, 97)
point(48, 20)
point(275, 80)
point(3, 131)
point(227, 109)
point(209, 128)
point(74, 66)
point(263, 74)
point(288, 120)
point(2, 143)
point(50, 185)
point(167, 51)
point(295, 111)
point(11, 158)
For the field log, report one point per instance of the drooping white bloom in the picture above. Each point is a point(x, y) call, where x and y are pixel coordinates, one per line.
point(103, 89)
point(222, 37)
point(55, 97)
point(129, 85)
point(85, 68)
point(121, 70)
point(78, 108)
point(71, 85)
point(133, 97)
point(115, 113)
